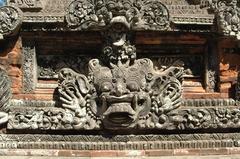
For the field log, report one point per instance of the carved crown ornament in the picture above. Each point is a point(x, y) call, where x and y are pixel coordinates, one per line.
point(10, 20)
point(228, 16)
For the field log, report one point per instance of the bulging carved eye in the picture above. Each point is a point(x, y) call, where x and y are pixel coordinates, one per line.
point(111, 5)
point(106, 87)
point(133, 86)
point(126, 5)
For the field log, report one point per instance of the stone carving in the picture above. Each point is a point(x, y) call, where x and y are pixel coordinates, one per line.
point(26, 4)
point(141, 14)
point(238, 89)
point(5, 96)
point(120, 91)
point(29, 67)
point(50, 119)
point(208, 102)
point(211, 80)
point(187, 62)
point(200, 118)
point(10, 20)
point(49, 66)
point(228, 16)
point(120, 142)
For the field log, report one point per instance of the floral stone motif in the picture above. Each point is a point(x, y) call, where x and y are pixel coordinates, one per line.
point(143, 14)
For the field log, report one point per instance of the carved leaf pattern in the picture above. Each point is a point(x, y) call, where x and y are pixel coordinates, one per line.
point(141, 14)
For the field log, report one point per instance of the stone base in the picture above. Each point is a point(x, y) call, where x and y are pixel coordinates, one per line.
point(138, 154)
point(142, 157)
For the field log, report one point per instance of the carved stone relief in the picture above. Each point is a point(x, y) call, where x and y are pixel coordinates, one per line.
point(10, 20)
point(187, 62)
point(50, 65)
point(5, 96)
point(141, 14)
point(238, 89)
point(26, 4)
point(119, 90)
point(29, 67)
point(120, 142)
point(228, 16)
point(200, 118)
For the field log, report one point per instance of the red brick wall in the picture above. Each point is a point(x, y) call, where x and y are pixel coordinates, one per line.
point(11, 61)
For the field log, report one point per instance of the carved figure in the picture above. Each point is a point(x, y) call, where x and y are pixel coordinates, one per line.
point(121, 91)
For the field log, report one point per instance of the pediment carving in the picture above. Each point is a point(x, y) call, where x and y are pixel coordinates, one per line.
point(142, 14)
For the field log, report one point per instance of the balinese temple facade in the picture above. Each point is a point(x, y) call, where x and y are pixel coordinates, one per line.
point(126, 78)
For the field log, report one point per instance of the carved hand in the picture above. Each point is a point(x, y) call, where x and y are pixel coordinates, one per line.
point(72, 100)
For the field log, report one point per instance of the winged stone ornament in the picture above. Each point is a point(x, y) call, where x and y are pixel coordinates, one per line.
point(121, 91)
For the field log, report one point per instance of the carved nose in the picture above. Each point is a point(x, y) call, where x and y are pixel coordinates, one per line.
point(120, 90)
point(119, 6)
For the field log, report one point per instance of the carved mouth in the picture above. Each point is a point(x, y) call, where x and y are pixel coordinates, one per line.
point(123, 111)
point(120, 118)
point(120, 110)
point(120, 113)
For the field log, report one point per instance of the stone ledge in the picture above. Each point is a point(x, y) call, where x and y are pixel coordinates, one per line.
point(165, 157)
point(202, 153)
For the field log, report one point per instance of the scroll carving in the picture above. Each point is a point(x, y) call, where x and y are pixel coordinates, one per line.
point(228, 16)
point(10, 20)
point(143, 14)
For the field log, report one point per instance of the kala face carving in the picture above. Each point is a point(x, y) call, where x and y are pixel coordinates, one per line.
point(120, 91)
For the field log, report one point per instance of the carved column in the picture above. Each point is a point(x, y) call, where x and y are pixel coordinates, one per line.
point(29, 66)
point(5, 96)
point(238, 89)
point(211, 63)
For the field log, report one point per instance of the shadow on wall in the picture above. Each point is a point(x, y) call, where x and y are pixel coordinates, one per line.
point(2, 2)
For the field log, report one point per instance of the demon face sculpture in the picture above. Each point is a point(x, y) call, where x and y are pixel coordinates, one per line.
point(120, 91)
